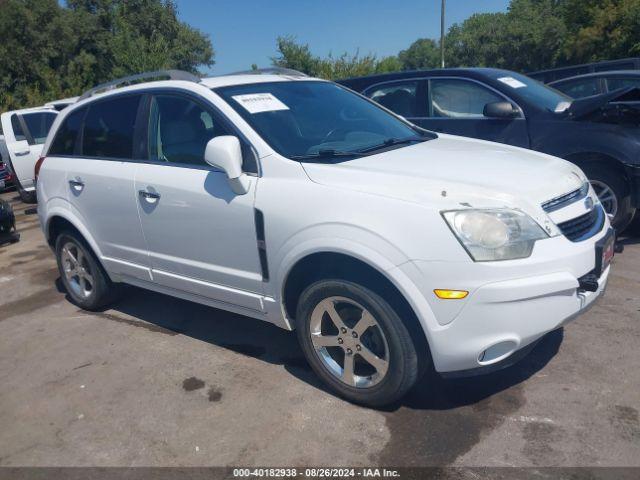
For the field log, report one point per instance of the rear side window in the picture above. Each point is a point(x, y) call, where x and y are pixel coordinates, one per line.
point(616, 83)
point(109, 128)
point(67, 135)
point(400, 98)
point(579, 88)
point(18, 132)
point(38, 125)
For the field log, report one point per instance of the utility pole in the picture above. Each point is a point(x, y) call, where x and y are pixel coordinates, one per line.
point(442, 34)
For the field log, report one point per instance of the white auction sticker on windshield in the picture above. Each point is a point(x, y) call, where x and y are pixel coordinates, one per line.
point(260, 102)
point(512, 82)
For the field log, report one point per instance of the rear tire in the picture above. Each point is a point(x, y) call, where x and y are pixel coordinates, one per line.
point(614, 194)
point(83, 277)
point(365, 355)
point(26, 197)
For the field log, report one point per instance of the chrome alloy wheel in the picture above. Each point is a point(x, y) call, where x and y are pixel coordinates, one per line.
point(607, 197)
point(349, 342)
point(77, 270)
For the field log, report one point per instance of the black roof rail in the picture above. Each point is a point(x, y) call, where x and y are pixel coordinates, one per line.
point(159, 74)
point(270, 71)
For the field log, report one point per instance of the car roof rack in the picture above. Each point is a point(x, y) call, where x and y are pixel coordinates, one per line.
point(270, 71)
point(149, 76)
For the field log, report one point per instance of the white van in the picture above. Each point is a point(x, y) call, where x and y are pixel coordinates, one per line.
point(24, 134)
point(299, 202)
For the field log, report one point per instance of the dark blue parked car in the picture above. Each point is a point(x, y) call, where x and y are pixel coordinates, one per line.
point(597, 83)
point(600, 134)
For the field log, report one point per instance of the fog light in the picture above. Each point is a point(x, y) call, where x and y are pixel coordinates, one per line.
point(451, 294)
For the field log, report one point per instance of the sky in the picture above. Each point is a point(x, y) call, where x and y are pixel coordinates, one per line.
point(244, 32)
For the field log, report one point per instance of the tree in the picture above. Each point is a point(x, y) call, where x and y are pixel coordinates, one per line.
point(477, 41)
point(299, 57)
point(423, 53)
point(535, 33)
point(602, 29)
point(528, 37)
point(50, 51)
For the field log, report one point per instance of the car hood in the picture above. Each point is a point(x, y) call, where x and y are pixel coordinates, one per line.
point(453, 170)
point(587, 105)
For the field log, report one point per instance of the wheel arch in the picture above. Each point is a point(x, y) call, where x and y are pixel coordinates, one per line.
point(586, 159)
point(59, 221)
point(342, 265)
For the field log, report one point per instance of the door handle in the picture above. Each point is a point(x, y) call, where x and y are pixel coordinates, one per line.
point(77, 184)
point(22, 153)
point(149, 197)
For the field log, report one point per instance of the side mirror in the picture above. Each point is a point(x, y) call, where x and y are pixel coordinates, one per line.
point(500, 110)
point(224, 153)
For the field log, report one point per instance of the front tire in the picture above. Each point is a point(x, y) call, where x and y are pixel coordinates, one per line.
point(356, 343)
point(614, 194)
point(83, 277)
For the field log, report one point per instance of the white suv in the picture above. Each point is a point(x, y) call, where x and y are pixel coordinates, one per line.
point(296, 201)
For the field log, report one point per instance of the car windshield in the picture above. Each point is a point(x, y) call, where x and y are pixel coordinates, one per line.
point(533, 91)
point(311, 120)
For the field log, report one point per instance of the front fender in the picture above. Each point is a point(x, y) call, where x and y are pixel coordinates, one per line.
point(360, 244)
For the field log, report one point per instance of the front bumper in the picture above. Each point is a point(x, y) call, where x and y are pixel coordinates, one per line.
point(511, 304)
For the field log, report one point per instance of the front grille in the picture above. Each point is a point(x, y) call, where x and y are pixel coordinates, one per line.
point(563, 200)
point(585, 226)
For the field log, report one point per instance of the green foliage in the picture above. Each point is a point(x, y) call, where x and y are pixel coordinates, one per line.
point(423, 53)
point(299, 57)
point(530, 35)
point(49, 51)
point(601, 29)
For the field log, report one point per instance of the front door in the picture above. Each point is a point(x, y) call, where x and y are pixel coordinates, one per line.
point(201, 236)
point(25, 132)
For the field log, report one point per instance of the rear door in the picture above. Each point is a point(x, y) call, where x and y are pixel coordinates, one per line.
point(25, 132)
point(456, 105)
point(100, 175)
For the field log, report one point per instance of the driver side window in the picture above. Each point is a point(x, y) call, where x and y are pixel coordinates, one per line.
point(453, 98)
point(179, 130)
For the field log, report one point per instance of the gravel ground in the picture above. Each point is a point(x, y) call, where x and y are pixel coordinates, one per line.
point(157, 381)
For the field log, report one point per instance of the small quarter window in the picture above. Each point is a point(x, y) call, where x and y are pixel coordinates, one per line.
point(66, 136)
point(109, 128)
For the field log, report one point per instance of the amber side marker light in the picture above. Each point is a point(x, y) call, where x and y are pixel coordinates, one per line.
point(451, 294)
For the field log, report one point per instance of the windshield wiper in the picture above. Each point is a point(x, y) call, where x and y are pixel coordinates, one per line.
point(390, 142)
point(325, 154)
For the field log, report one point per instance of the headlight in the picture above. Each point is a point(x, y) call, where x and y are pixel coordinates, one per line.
point(496, 234)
